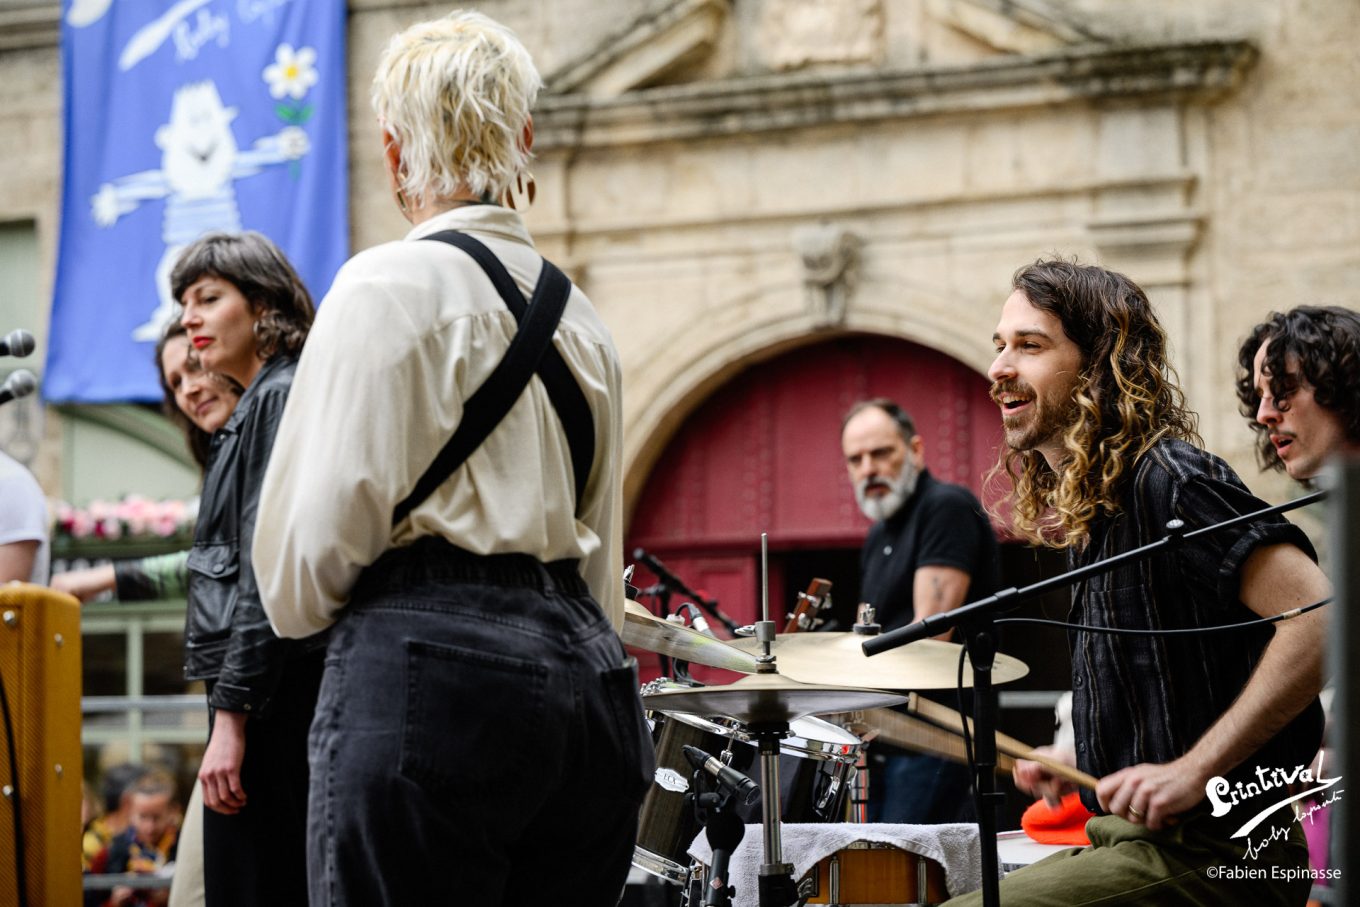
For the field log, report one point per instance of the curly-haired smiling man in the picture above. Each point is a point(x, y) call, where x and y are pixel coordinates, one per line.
point(1103, 453)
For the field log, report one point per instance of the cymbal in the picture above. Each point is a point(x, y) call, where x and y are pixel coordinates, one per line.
point(643, 630)
point(769, 699)
point(836, 658)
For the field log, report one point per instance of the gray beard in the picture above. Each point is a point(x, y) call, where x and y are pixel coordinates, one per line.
point(881, 507)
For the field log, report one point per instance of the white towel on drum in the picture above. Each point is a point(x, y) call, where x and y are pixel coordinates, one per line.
point(954, 846)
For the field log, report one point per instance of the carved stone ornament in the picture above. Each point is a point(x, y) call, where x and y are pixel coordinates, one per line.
point(795, 33)
point(830, 257)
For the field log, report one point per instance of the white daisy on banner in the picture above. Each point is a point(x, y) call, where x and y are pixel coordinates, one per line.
point(292, 73)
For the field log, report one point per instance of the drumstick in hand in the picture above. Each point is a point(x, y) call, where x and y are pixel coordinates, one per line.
point(953, 721)
point(909, 733)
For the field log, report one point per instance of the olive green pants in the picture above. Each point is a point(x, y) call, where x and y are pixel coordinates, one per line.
point(1192, 863)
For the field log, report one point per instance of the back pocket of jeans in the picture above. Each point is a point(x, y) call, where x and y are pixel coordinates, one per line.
point(471, 717)
point(618, 731)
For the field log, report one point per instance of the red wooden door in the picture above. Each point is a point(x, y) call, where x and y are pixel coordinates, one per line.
point(763, 454)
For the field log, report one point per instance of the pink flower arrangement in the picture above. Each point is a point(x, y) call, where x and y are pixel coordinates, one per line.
point(134, 516)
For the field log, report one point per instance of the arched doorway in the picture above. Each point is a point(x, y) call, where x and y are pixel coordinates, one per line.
point(763, 454)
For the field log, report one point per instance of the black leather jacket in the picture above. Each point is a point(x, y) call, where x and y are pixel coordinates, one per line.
point(227, 637)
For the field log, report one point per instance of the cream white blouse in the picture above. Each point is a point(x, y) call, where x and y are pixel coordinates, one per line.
point(407, 332)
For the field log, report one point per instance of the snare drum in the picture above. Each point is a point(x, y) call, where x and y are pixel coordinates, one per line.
point(867, 872)
point(816, 767)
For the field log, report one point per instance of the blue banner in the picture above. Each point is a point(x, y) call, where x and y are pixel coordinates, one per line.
point(181, 119)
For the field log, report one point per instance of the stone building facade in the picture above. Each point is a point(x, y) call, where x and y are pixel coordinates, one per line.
point(734, 179)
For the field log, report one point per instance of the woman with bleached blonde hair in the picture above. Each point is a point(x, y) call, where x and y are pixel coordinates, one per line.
point(445, 491)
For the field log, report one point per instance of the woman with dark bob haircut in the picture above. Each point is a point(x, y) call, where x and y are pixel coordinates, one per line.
point(246, 314)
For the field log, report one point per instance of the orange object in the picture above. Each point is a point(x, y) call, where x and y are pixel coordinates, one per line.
point(1065, 824)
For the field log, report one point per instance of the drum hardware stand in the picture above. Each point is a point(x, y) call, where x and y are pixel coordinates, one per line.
point(865, 625)
point(777, 887)
point(859, 790)
point(980, 642)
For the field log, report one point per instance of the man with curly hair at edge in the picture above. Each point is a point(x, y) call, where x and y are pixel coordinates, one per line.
point(1297, 380)
point(1103, 453)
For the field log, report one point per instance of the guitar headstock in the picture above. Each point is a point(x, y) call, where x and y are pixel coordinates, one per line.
point(817, 598)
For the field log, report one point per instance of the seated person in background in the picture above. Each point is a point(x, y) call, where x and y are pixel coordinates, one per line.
point(117, 793)
point(148, 843)
point(23, 525)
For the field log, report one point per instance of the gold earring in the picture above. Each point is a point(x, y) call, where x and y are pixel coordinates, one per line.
point(401, 200)
point(519, 188)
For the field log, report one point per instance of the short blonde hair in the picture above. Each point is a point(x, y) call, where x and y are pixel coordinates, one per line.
point(456, 93)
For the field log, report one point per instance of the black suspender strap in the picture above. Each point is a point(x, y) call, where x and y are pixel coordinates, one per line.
point(531, 352)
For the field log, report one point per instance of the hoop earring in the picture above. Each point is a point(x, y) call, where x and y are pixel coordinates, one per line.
point(530, 194)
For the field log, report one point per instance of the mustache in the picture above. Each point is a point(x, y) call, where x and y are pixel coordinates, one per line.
point(1014, 386)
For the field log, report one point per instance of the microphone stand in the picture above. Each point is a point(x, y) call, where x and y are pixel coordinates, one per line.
point(977, 621)
point(669, 581)
point(716, 811)
point(662, 593)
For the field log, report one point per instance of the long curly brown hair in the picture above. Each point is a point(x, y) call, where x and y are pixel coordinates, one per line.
point(1125, 401)
point(1318, 344)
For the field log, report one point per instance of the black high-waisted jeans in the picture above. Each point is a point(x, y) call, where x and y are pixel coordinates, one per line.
point(479, 739)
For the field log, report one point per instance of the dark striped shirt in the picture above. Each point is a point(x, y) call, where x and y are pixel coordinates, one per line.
point(1149, 699)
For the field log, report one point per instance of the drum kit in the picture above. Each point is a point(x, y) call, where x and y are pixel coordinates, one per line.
point(789, 721)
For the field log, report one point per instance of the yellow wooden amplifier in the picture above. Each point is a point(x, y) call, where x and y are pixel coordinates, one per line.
point(40, 668)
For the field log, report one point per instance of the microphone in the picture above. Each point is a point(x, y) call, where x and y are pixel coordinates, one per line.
point(746, 790)
point(17, 343)
point(20, 384)
point(697, 619)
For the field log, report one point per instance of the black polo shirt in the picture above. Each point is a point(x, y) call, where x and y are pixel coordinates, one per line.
point(1149, 699)
point(940, 525)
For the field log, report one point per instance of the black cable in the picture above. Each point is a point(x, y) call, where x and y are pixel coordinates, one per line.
point(967, 735)
point(963, 653)
point(20, 872)
point(1127, 631)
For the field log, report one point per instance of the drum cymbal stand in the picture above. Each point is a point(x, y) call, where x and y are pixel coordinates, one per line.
point(864, 625)
point(777, 888)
